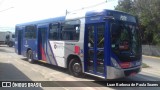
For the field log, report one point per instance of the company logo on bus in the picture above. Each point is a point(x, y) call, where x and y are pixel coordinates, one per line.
point(55, 46)
point(123, 18)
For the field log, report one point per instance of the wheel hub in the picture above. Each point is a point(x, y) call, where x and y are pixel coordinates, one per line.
point(76, 67)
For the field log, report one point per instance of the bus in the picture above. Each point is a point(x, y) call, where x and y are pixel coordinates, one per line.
point(103, 43)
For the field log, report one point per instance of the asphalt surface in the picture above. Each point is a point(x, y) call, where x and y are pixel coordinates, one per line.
point(16, 68)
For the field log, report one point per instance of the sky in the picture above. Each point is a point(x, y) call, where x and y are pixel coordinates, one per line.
point(13, 12)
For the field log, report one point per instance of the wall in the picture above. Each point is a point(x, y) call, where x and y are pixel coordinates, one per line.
point(151, 50)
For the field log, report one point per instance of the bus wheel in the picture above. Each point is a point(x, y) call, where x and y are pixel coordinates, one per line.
point(30, 56)
point(75, 68)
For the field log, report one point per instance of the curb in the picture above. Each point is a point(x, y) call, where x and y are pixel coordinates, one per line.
point(151, 56)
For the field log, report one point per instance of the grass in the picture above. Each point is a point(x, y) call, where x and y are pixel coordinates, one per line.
point(144, 65)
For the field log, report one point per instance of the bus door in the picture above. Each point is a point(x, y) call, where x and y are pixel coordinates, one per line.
point(94, 59)
point(42, 42)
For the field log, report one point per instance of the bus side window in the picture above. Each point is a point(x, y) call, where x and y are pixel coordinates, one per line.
point(53, 33)
point(70, 30)
point(30, 32)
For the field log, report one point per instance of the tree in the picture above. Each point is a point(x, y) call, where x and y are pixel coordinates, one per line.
point(149, 16)
point(126, 6)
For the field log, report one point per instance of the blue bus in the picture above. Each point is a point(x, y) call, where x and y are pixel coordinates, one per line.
point(103, 43)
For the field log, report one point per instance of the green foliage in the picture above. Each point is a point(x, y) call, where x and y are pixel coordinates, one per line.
point(148, 12)
point(126, 6)
point(144, 65)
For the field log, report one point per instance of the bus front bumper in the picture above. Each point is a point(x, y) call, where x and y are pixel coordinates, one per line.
point(114, 73)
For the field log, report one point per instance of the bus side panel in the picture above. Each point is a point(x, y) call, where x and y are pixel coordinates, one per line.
point(16, 41)
point(19, 41)
point(51, 54)
point(58, 48)
point(30, 44)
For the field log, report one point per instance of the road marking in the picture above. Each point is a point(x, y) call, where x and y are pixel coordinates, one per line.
point(151, 56)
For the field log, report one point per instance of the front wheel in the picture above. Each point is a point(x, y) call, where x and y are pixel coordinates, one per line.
point(75, 68)
point(30, 56)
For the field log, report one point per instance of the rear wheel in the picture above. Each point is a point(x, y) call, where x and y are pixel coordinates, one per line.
point(75, 68)
point(30, 56)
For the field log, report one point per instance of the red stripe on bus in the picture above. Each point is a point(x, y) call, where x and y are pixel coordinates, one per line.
point(42, 53)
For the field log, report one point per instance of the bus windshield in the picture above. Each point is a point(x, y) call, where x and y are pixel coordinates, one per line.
point(125, 41)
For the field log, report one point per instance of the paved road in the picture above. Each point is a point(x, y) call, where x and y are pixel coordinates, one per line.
point(15, 68)
point(154, 63)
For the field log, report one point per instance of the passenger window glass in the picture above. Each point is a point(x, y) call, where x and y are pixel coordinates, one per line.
point(30, 32)
point(53, 34)
point(71, 30)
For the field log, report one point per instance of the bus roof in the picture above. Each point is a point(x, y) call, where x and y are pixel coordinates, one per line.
point(104, 12)
point(74, 15)
point(62, 18)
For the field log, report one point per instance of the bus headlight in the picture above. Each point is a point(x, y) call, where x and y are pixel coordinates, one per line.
point(115, 64)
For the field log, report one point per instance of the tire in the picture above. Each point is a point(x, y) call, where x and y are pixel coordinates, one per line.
point(30, 56)
point(75, 68)
point(10, 44)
